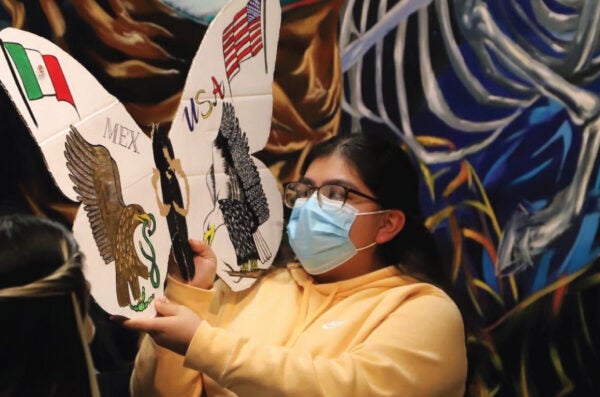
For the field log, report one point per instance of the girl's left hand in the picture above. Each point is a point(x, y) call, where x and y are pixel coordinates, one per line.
point(173, 328)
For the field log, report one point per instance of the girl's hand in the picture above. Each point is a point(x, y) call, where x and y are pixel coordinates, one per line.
point(205, 262)
point(173, 328)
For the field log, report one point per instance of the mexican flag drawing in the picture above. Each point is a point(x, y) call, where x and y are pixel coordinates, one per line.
point(40, 75)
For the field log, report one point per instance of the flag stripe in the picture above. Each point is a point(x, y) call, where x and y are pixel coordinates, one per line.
point(63, 93)
point(37, 63)
point(25, 70)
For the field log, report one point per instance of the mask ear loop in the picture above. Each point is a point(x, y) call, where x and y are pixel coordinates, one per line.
point(95, 391)
point(369, 213)
point(366, 246)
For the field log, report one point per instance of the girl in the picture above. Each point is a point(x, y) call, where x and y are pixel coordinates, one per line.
point(359, 315)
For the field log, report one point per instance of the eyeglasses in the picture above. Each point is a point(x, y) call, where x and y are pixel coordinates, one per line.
point(336, 194)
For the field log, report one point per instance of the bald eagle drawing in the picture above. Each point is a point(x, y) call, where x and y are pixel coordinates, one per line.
point(96, 180)
point(244, 206)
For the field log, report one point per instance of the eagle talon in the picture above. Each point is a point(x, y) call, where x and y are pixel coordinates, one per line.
point(249, 266)
point(143, 303)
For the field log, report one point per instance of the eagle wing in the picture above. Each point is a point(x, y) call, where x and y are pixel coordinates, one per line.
point(96, 180)
point(245, 183)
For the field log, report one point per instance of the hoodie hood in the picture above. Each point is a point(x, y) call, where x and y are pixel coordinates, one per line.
point(387, 277)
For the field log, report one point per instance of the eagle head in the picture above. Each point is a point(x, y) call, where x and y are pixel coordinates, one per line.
point(142, 217)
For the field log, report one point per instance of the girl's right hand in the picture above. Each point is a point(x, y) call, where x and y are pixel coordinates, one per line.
point(205, 262)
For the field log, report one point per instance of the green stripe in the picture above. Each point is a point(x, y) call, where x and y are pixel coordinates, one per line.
point(30, 82)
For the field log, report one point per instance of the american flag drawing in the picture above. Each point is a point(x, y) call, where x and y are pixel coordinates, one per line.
point(242, 38)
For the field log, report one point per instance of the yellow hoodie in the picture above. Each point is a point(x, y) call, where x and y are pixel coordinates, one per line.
point(380, 334)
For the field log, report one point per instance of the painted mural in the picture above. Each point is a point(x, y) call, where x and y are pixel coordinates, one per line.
point(497, 101)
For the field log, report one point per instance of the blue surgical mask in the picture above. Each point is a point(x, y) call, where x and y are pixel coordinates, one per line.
point(319, 234)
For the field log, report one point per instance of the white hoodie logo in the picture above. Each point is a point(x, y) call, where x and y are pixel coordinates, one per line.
point(332, 324)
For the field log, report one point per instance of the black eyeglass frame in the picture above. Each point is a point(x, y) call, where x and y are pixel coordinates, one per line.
point(311, 189)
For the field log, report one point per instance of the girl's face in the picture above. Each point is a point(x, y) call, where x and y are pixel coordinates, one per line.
point(335, 170)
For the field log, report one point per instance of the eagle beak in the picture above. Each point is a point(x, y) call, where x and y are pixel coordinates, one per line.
point(143, 218)
point(209, 234)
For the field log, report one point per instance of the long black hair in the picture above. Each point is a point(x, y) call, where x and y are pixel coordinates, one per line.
point(40, 339)
point(388, 172)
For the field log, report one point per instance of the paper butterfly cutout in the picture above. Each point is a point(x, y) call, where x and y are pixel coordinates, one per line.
point(143, 197)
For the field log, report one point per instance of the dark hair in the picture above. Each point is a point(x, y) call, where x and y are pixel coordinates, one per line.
point(388, 172)
point(42, 349)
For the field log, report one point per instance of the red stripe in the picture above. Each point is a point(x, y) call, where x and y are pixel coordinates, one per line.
point(254, 35)
point(240, 52)
point(230, 48)
point(229, 51)
point(232, 67)
point(232, 58)
point(240, 14)
point(254, 27)
point(228, 28)
point(256, 50)
point(235, 49)
point(242, 31)
point(227, 41)
point(233, 71)
point(243, 55)
point(242, 41)
point(63, 93)
point(243, 20)
point(243, 24)
point(227, 37)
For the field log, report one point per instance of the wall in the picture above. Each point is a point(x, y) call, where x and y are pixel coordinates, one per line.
point(496, 101)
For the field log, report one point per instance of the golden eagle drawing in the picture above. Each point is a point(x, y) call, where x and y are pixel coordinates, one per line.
point(96, 178)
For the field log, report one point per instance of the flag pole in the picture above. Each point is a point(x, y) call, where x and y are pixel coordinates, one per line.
point(14, 75)
point(263, 32)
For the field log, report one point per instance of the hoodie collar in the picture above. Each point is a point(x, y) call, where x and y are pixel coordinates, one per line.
point(387, 277)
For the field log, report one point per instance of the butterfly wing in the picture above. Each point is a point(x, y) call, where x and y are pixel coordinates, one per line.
point(223, 118)
point(54, 94)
